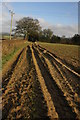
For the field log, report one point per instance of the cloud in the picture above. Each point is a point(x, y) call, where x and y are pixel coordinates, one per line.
point(43, 23)
point(67, 30)
point(59, 29)
point(6, 17)
point(0, 16)
point(6, 22)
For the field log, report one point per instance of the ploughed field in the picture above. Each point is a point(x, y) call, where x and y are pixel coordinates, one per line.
point(38, 84)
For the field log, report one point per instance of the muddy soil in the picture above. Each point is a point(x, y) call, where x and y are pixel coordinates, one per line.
point(40, 86)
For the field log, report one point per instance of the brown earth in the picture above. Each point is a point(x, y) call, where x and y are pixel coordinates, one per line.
point(40, 86)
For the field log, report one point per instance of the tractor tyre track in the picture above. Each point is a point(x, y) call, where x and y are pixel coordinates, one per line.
point(51, 109)
point(71, 77)
point(71, 96)
point(23, 98)
point(11, 93)
point(59, 60)
point(54, 90)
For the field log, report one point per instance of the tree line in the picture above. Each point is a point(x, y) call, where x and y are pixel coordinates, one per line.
point(31, 30)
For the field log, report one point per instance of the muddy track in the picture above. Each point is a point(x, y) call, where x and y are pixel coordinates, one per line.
point(65, 80)
point(72, 76)
point(62, 62)
point(8, 75)
point(10, 89)
point(51, 109)
point(23, 98)
point(56, 94)
point(39, 86)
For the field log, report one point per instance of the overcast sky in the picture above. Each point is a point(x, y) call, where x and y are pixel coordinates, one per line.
point(61, 17)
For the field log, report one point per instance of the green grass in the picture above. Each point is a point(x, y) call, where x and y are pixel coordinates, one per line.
point(0, 36)
point(0, 64)
point(9, 56)
point(5, 36)
point(6, 58)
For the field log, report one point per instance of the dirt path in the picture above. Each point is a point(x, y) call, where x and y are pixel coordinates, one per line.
point(51, 109)
point(72, 78)
point(39, 86)
point(66, 80)
point(57, 95)
point(23, 98)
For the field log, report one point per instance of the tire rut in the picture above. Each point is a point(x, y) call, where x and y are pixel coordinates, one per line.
point(56, 93)
point(70, 76)
point(51, 109)
point(60, 61)
point(11, 93)
point(23, 98)
point(71, 96)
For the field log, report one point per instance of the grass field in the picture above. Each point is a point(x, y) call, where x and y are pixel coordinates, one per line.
point(10, 48)
point(40, 81)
